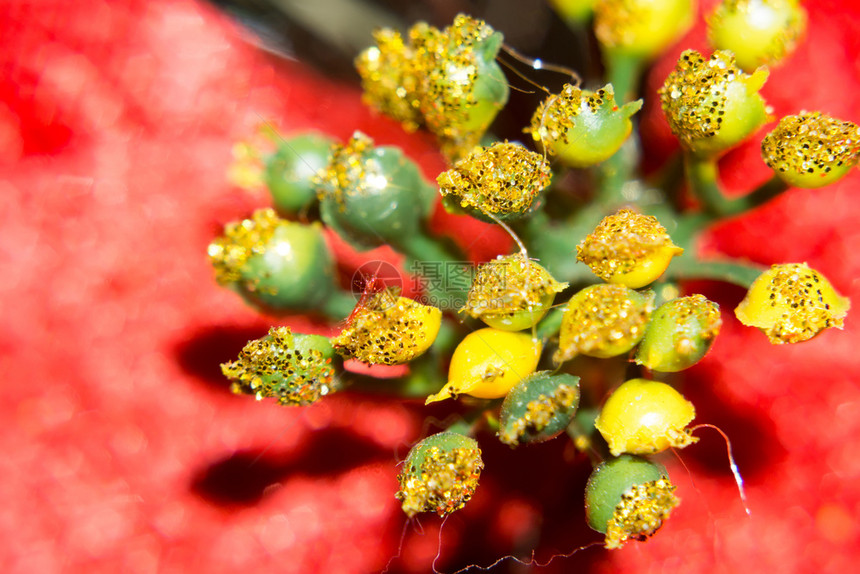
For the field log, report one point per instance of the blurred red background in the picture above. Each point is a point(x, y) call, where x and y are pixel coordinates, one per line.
point(122, 449)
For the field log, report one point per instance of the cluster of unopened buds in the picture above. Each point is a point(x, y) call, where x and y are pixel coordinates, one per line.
point(598, 280)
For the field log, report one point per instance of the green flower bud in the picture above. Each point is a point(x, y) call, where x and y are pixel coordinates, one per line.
point(642, 28)
point(372, 196)
point(538, 408)
point(811, 149)
point(574, 11)
point(293, 368)
point(628, 248)
point(680, 333)
point(758, 32)
point(440, 474)
point(511, 293)
point(388, 330)
point(278, 265)
point(582, 128)
point(603, 321)
point(628, 498)
point(290, 171)
point(792, 303)
point(711, 104)
point(461, 87)
point(504, 179)
point(389, 80)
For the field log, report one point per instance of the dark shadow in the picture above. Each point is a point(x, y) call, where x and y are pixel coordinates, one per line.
point(241, 478)
point(754, 443)
point(202, 354)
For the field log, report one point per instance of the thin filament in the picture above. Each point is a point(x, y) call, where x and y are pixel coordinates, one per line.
point(734, 467)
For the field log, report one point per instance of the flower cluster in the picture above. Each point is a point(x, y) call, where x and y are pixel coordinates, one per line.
point(523, 374)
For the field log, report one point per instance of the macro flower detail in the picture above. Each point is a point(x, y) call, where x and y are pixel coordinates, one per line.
point(488, 363)
point(440, 474)
point(388, 78)
point(387, 329)
point(538, 408)
point(811, 149)
point(504, 179)
point(581, 127)
point(511, 293)
point(680, 333)
point(628, 498)
point(792, 303)
point(273, 263)
point(711, 105)
point(445, 79)
point(372, 195)
point(628, 248)
point(757, 32)
point(289, 172)
point(644, 417)
point(603, 321)
point(294, 368)
point(641, 28)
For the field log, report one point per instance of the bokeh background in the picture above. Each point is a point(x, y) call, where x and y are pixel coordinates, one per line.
point(121, 449)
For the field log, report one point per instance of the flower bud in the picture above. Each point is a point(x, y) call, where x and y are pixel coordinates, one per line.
point(388, 330)
point(711, 105)
point(276, 264)
point(628, 498)
point(294, 368)
point(758, 32)
point(290, 171)
point(372, 196)
point(582, 128)
point(680, 333)
point(511, 293)
point(388, 78)
point(504, 179)
point(440, 474)
point(488, 363)
point(461, 87)
point(603, 321)
point(792, 303)
point(811, 149)
point(628, 248)
point(538, 408)
point(574, 11)
point(644, 417)
point(642, 28)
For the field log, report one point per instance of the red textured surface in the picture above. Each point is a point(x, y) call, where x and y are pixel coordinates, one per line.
point(122, 450)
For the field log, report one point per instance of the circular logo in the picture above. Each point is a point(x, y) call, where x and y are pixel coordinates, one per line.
point(373, 276)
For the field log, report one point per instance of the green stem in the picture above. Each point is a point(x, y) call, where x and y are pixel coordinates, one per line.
point(702, 176)
point(759, 196)
point(741, 274)
point(447, 277)
point(623, 71)
point(551, 324)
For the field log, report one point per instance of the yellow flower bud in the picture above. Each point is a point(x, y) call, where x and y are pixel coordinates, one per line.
point(792, 303)
point(511, 293)
point(642, 28)
point(488, 363)
point(758, 32)
point(644, 417)
point(603, 321)
point(628, 248)
point(388, 330)
point(811, 149)
point(504, 179)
